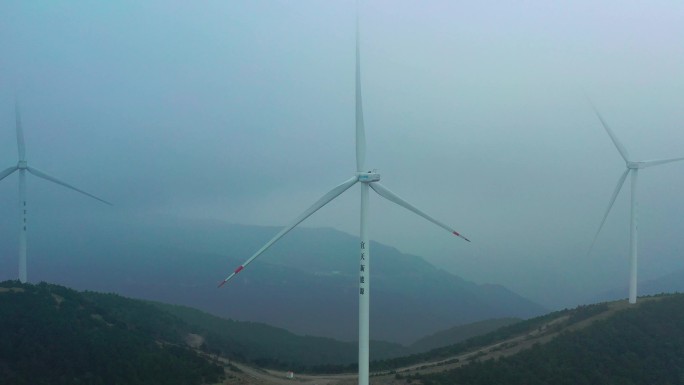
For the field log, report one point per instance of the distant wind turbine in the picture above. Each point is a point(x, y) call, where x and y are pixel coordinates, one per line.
point(22, 167)
point(367, 179)
point(633, 168)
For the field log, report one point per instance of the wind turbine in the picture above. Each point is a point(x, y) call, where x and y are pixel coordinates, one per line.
point(22, 167)
point(368, 180)
point(632, 167)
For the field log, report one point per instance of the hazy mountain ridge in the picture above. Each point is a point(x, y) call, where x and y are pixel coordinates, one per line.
point(84, 320)
point(669, 283)
point(307, 283)
point(460, 333)
point(273, 347)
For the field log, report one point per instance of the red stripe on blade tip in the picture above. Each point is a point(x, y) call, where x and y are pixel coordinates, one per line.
point(459, 235)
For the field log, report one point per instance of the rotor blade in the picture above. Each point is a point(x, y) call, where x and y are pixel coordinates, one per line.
point(20, 133)
point(621, 149)
point(7, 172)
point(387, 194)
point(55, 180)
point(620, 182)
point(360, 130)
point(332, 194)
point(656, 162)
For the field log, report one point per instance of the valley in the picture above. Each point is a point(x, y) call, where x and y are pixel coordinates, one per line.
point(104, 334)
point(545, 332)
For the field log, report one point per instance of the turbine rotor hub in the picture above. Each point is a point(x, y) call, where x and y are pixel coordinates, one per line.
point(635, 165)
point(368, 177)
point(22, 165)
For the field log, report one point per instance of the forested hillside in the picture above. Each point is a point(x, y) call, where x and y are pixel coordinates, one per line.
point(642, 344)
point(96, 335)
point(460, 333)
point(267, 346)
point(53, 335)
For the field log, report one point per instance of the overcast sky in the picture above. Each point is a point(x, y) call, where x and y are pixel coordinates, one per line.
point(475, 112)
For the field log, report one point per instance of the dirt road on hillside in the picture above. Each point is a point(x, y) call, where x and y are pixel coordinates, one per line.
point(543, 334)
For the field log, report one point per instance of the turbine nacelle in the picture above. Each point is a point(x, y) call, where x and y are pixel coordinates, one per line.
point(370, 180)
point(368, 177)
point(636, 165)
point(22, 166)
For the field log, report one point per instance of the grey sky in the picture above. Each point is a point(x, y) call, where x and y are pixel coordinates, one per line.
point(243, 111)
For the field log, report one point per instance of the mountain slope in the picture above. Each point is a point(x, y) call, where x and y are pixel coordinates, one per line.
point(84, 321)
point(611, 343)
point(272, 347)
point(460, 333)
point(307, 283)
point(53, 335)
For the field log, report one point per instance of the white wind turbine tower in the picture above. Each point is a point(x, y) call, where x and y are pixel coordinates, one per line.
point(632, 168)
point(22, 167)
point(367, 179)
